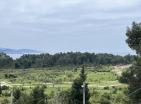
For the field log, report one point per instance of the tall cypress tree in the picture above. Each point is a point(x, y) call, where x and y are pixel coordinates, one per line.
point(77, 90)
point(82, 75)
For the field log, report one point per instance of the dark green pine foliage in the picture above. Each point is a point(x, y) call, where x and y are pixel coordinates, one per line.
point(38, 96)
point(77, 90)
point(70, 59)
point(134, 37)
point(16, 95)
point(83, 75)
point(105, 99)
point(133, 75)
point(134, 81)
point(6, 61)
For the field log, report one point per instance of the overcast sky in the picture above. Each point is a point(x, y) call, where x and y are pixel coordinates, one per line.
point(68, 25)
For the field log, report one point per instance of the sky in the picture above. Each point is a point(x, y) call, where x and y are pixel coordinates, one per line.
point(68, 25)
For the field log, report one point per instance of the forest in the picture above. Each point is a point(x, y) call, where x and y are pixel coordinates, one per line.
point(64, 59)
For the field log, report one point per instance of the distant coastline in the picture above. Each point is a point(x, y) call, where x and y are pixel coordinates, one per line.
point(15, 56)
point(17, 53)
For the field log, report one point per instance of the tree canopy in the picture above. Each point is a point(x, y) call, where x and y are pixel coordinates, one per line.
point(63, 59)
point(134, 37)
point(71, 58)
point(77, 89)
point(132, 76)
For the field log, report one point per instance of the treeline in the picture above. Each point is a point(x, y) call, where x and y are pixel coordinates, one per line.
point(63, 59)
point(6, 61)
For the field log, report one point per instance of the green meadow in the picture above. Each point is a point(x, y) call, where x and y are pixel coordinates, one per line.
point(100, 79)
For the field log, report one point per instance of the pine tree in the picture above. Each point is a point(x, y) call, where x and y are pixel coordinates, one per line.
point(77, 90)
point(38, 96)
point(133, 75)
point(82, 75)
point(16, 95)
point(134, 37)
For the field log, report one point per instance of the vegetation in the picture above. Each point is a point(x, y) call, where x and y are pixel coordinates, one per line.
point(57, 84)
point(134, 37)
point(133, 75)
point(6, 61)
point(63, 59)
point(58, 78)
point(77, 89)
point(37, 96)
point(72, 59)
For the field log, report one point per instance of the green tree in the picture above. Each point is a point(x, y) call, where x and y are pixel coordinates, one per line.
point(69, 58)
point(24, 99)
point(38, 96)
point(133, 75)
point(77, 90)
point(64, 97)
point(6, 61)
point(83, 75)
point(16, 95)
point(105, 99)
point(134, 37)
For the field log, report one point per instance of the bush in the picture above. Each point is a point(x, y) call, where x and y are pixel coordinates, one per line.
point(5, 101)
point(8, 76)
point(16, 94)
point(106, 88)
point(5, 87)
point(105, 99)
point(125, 76)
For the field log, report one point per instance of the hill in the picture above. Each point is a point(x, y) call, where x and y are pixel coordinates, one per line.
point(17, 51)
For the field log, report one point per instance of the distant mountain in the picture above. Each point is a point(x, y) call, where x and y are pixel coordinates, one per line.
point(18, 51)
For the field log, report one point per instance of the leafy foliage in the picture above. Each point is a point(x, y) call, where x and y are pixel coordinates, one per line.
point(16, 95)
point(133, 75)
point(38, 96)
point(105, 99)
point(77, 89)
point(6, 61)
point(134, 37)
point(70, 58)
point(63, 59)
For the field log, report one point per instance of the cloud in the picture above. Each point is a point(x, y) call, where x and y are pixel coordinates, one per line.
point(65, 15)
point(62, 11)
point(55, 20)
point(115, 4)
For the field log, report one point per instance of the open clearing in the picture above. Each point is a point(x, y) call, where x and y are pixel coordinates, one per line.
point(101, 79)
point(53, 77)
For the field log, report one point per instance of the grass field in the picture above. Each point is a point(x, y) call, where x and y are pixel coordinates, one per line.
point(100, 79)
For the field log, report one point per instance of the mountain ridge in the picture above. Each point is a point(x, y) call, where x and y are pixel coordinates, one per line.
point(17, 51)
